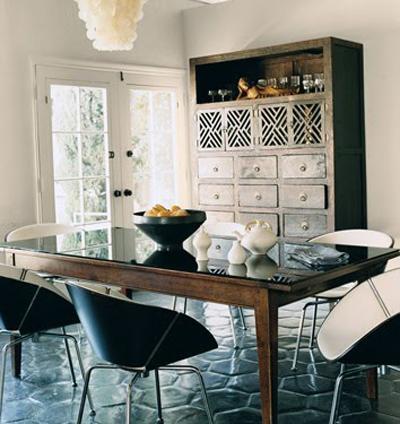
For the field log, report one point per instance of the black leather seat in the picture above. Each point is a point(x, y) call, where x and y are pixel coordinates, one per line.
point(139, 338)
point(30, 305)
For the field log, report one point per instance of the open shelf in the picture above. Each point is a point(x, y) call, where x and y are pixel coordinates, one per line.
point(225, 74)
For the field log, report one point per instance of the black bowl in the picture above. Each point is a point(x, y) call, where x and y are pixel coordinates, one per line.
point(169, 232)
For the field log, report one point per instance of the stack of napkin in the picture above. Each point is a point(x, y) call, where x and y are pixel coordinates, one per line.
point(319, 256)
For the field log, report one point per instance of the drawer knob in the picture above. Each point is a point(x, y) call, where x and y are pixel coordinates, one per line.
point(303, 197)
point(258, 196)
point(303, 167)
point(217, 247)
point(216, 196)
point(257, 168)
point(305, 226)
point(215, 169)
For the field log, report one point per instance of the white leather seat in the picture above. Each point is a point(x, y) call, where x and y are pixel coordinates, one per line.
point(32, 231)
point(358, 237)
point(363, 329)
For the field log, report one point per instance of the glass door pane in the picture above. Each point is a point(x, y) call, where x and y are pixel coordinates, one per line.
point(153, 133)
point(80, 155)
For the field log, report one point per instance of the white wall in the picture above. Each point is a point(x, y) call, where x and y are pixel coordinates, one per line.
point(52, 28)
point(244, 24)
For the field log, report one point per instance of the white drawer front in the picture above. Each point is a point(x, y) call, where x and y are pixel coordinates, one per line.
point(258, 167)
point(272, 219)
point(262, 196)
point(216, 194)
point(303, 196)
point(218, 167)
point(305, 226)
point(304, 166)
point(215, 216)
point(219, 248)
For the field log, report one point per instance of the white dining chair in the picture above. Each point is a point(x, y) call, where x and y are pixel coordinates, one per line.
point(366, 238)
point(221, 230)
point(363, 330)
point(33, 231)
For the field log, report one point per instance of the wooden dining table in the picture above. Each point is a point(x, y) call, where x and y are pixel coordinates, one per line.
point(123, 257)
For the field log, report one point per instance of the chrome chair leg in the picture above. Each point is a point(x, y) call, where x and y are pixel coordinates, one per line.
point(80, 362)
point(86, 388)
point(175, 301)
point(232, 321)
point(192, 369)
point(314, 324)
point(338, 388)
point(160, 419)
point(299, 335)
point(185, 303)
point(241, 314)
point(129, 398)
point(71, 366)
point(3, 363)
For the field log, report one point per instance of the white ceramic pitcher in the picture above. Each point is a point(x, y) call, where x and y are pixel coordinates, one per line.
point(258, 237)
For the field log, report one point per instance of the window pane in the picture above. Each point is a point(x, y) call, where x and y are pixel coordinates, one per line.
point(153, 132)
point(64, 108)
point(92, 105)
point(65, 155)
point(68, 204)
point(95, 200)
point(94, 151)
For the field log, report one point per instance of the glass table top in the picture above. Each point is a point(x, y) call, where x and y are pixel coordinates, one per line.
point(131, 246)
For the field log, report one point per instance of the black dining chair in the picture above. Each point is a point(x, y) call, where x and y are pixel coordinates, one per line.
point(138, 339)
point(363, 330)
point(29, 306)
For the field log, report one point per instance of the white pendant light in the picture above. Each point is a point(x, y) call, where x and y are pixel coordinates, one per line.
point(111, 24)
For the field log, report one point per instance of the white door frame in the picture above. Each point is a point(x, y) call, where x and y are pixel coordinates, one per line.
point(117, 78)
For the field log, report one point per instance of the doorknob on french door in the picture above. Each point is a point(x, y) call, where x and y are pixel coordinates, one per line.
point(127, 192)
point(117, 193)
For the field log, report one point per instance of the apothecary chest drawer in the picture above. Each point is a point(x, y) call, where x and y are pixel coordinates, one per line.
point(305, 226)
point(304, 166)
point(217, 216)
point(217, 167)
point(303, 196)
point(263, 196)
point(216, 194)
point(219, 248)
point(258, 167)
point(272, 219)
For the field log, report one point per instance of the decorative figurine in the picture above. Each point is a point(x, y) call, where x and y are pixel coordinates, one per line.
point(202, 243)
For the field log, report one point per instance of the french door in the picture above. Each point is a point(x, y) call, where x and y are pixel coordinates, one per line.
point(108, 146)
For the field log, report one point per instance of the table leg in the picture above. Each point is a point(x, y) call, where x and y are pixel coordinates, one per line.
point(266, 314)
point(372, 384)
point(16, 357)
point(16, 350)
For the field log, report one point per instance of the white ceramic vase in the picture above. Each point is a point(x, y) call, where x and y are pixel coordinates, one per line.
point(237, 255)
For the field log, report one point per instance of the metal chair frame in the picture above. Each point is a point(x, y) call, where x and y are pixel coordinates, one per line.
point(143, 373)
point(66, 337)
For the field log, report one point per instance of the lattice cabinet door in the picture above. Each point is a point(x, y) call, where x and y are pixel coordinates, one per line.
point(239, 128)
point(210, 130)
point(273, 125)
point(308, 123)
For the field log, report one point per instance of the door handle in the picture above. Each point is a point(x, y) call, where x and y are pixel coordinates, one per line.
point(117, 193)
point(127, 192)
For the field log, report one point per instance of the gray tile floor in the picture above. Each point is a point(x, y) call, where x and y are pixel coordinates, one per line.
point(45, 395)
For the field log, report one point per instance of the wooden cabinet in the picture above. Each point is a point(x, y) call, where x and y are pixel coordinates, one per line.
point(296, 161)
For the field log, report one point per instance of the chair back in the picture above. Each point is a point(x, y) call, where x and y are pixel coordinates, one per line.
point(133, 335)
point(368, 238)
point(363, 328)
point(33, 231)
point(28, 303)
